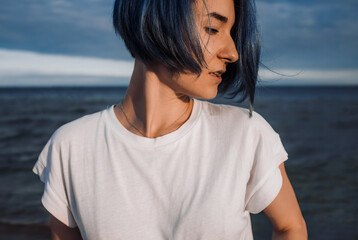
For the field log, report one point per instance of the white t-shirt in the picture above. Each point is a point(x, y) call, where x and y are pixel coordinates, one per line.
point(201, 181)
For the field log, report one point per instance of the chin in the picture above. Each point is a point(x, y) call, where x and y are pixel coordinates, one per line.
point(207, 95)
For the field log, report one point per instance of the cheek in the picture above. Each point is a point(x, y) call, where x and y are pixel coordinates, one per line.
point(209, 52)
point(207, 45)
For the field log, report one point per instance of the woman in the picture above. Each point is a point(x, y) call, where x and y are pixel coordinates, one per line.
point(163, 164)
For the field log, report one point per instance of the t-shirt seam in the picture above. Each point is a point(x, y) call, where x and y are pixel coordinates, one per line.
point(261, 183)
point(39, 160)
point(270, 198)
point(55, 176)
point(61, 200)
point(276, 155)
point(139, 146)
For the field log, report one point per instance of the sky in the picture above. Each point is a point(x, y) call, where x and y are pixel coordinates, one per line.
point(63, 42)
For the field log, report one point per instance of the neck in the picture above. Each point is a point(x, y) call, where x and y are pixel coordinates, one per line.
point(151, 105)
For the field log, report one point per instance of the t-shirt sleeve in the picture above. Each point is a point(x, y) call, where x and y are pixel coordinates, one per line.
point(50, 168)
point(265, 179)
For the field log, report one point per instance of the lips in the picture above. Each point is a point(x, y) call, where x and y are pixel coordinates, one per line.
point(216, 76)
point(217, 73)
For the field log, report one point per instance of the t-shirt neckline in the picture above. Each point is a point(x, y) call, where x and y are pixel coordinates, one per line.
point(141, 141)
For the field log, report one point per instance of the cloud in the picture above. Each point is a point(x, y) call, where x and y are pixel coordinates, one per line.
point(24, 68)
point(29, 63)
point(40, 80)
point(296, 34)
point(310, 77)
point(82, 28)
point(309, 34)
point(29, 68)
point(318, 37)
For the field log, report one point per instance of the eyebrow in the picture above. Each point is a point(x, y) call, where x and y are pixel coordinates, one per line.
point(218, 17)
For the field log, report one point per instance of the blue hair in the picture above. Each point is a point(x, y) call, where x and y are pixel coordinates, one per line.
point(160, 32)
point(242, 75)
point(164, 32)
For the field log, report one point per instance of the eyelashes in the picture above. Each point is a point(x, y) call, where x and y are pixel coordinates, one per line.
point(211, 31)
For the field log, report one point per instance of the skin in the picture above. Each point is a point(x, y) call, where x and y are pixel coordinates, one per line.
point(60, 231)
point(284, 213)
point(156, 100)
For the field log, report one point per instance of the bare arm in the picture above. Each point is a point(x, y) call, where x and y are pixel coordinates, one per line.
point(59, 231)
point(285, 214)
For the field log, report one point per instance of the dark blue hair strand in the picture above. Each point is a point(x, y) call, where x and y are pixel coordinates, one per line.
point(164, 32)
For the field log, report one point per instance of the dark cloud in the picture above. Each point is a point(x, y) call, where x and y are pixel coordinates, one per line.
point(296, 34)
point(66, 27)
point(306, 34)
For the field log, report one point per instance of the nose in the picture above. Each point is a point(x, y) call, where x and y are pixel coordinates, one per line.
point(229, 52)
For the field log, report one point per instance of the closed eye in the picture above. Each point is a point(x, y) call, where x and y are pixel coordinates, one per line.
point(211, 31)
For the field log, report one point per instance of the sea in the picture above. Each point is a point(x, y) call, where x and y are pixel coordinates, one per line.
point(318, 126)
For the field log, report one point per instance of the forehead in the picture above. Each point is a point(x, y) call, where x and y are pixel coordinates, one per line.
point(225, 8)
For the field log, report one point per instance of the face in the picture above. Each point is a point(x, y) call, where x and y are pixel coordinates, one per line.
point(214, 23)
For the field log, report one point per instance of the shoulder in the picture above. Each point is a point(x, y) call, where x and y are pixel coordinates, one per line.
point(77, 129)
point(225, 111)
point(235, 116)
